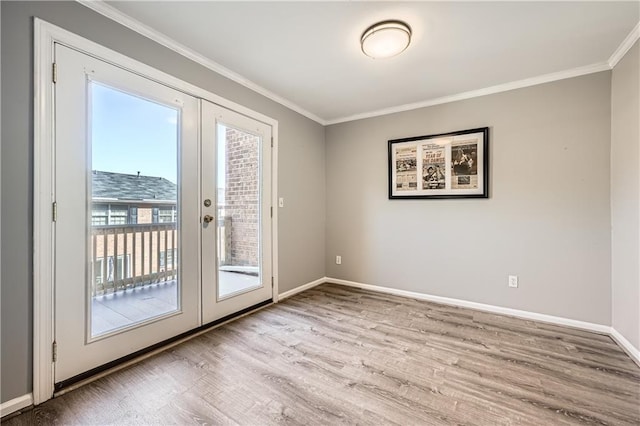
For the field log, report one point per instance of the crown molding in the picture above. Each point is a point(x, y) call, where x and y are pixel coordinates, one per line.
point(114, 14)
point(533, 81)
point(624, 47)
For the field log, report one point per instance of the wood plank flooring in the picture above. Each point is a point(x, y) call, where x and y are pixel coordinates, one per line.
point(336, 355)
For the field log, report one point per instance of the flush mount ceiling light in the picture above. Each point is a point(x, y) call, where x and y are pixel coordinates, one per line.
point(385, 39)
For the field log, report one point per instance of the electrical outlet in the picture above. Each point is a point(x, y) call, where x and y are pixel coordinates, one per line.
point(513, 281)
point(338, 260)
point(280, 202)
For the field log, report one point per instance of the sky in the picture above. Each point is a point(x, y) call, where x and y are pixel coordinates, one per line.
point(131, 134)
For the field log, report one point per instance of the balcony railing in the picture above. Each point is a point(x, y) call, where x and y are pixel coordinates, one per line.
point(130, 256)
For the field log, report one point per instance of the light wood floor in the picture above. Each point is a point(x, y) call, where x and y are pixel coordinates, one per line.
point(336, 355)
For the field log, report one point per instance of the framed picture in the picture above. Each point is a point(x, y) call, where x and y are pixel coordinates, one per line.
point(448, 165)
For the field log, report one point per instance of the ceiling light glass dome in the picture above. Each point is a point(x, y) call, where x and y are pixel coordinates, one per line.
point(385, 39)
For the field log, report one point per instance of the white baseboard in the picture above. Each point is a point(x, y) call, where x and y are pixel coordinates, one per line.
point(16, 404)
point(618, 338)
point(302, 288)
point(598, 328)
point(626, 345)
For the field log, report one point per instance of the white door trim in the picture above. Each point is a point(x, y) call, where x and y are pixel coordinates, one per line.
point(45, 35)
point(42, 213)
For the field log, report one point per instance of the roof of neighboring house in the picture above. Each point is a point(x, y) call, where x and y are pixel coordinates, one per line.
point(122, 186)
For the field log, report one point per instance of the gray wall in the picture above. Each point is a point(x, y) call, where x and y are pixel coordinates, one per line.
point(301, 166)
point(625, 193)
point(547, 219)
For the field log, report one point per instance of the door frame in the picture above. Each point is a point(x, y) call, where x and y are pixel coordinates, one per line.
point(45, 36)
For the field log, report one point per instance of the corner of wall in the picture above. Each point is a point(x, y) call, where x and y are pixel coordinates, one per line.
point(625, 199)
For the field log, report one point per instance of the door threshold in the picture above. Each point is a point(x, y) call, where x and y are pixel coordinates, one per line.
point(94, 374)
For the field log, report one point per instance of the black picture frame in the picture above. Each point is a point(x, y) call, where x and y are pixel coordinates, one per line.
point(440, 166)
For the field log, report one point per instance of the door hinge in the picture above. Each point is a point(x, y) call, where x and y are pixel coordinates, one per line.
point(54, 211)
point(271, 282)
point(271, 211)
point(54, 72)
point(54, 351)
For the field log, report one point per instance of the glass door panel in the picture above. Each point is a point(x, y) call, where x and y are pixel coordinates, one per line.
point(236, 231)
point(134, 205)
point(127, 234)
point(238, 207)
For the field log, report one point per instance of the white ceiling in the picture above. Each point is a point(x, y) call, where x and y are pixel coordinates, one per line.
point(309, 53)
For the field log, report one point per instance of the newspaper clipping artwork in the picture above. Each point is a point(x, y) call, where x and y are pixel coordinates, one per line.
point(433, 166)
point(464, 165)
point(406, 169)
point(446, 165)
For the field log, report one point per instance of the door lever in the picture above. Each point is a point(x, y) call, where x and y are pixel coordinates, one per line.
point(207, 218)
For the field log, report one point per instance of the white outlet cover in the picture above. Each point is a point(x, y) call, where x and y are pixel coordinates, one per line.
point(513, 281)
point(280, 202)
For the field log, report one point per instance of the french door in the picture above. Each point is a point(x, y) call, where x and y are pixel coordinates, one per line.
point(161, 213)
point(236, 243)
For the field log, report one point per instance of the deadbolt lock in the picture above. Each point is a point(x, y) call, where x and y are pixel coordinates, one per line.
point(207, 203)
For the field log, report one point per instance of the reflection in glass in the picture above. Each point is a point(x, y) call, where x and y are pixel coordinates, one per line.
point(238, 195)
point(133, 241)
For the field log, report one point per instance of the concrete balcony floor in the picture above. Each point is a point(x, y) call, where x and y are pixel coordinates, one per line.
point(126, 307)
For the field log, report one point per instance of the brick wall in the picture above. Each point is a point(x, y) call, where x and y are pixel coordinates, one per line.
point(145, 215)
point(242, 196)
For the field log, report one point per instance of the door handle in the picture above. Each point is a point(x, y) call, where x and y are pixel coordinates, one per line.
point(207, 218)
